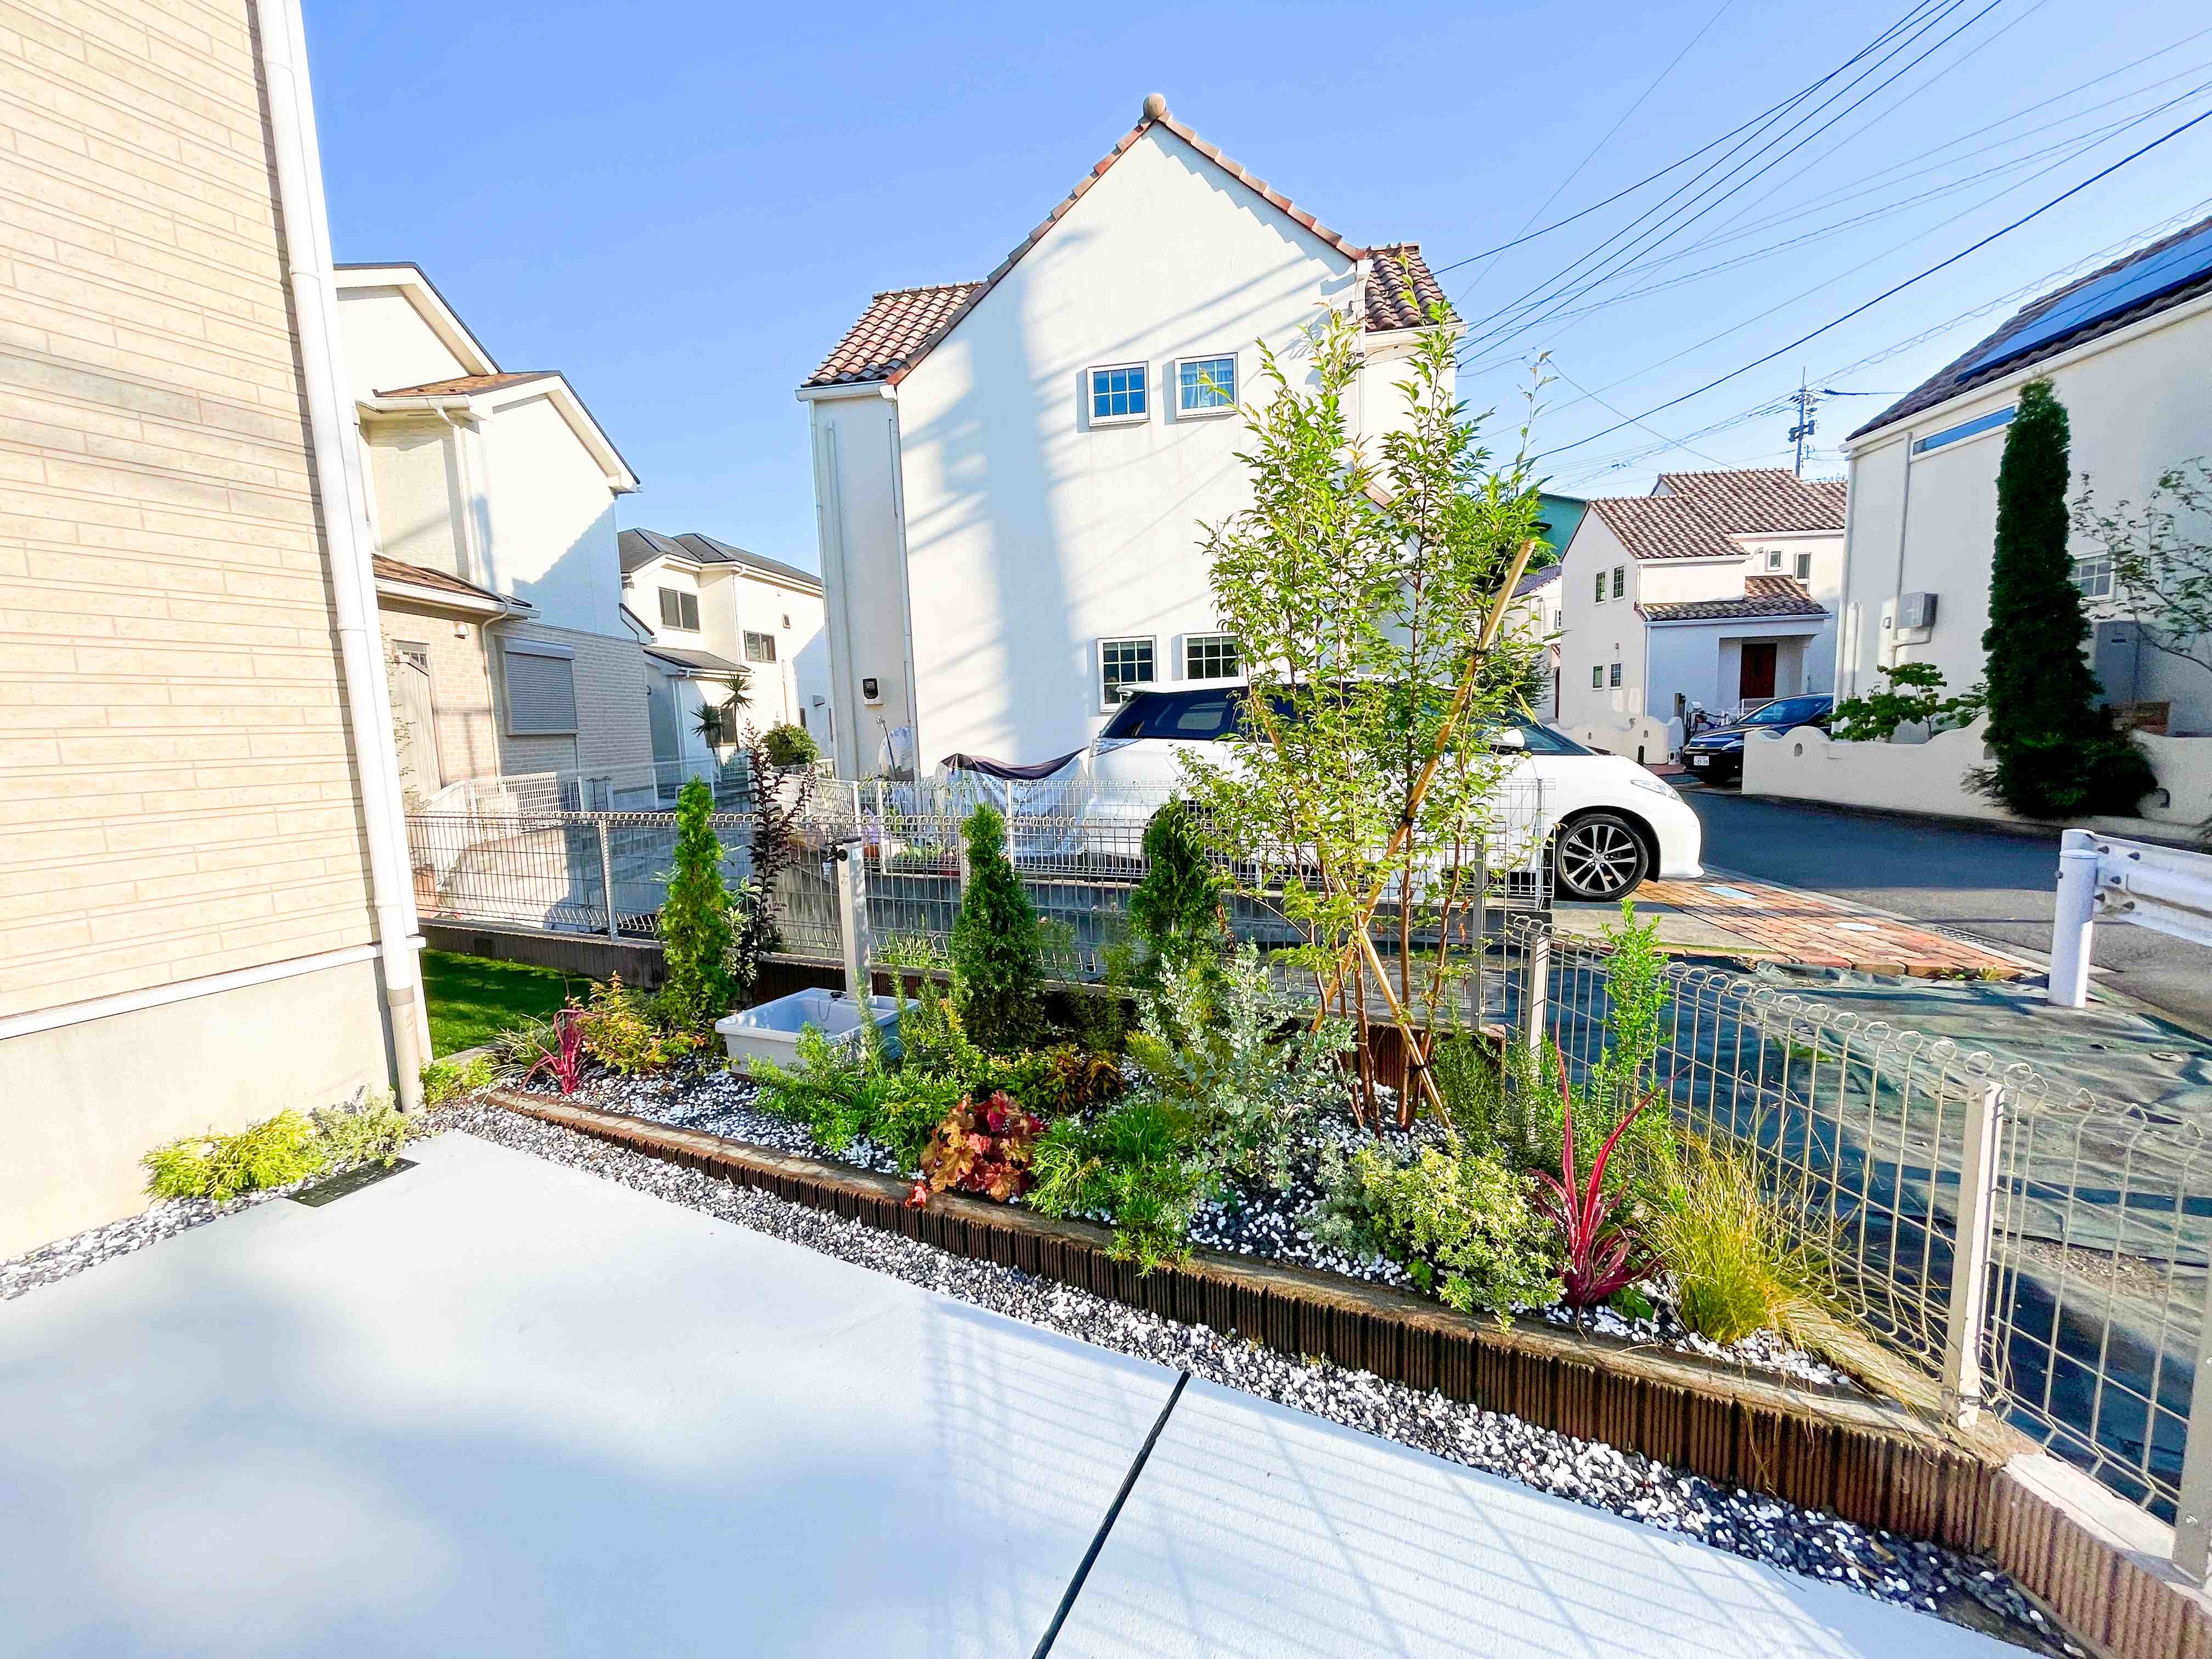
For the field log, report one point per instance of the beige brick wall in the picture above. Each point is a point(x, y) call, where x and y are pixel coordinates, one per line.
point(177, 790)
point(460, 689)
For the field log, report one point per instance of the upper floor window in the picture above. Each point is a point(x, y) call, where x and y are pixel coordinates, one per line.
point(1620, 581)
point(1597, 677)
point(1600, 587)
point(1210, 657)
point(1804, 567)
point(1206, 385)
point(679, 609)
point(1117, 394)
point(1975, 428)
point(2094, 576)
point(1123, 665)
point(759, 647)
point(1614, 674)
point(1774, 558)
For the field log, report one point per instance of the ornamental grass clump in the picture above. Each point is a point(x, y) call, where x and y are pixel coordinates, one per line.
point(1137, 1165)
point(1744, 1256)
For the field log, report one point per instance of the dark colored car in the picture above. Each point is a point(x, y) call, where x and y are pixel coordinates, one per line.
point(1715, 753)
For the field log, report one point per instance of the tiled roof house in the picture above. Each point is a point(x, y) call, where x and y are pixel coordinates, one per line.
point(1012, 472)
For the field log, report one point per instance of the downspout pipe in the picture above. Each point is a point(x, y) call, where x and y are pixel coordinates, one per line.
point(346, 529)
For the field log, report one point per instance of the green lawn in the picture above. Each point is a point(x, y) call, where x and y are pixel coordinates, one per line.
point(473, 998)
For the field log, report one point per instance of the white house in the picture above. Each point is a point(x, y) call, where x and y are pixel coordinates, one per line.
point(1010, 474)
point(1716, 590)
point(1534, 616)
point(714, 613)
point(503, 481)
point(2128, 349)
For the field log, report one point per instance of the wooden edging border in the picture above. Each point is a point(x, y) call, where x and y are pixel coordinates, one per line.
point(1865, 1460)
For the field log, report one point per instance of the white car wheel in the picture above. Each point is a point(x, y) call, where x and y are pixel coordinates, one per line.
point(1599, 856)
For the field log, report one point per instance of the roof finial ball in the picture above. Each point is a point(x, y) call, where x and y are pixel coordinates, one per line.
point(1156, 106)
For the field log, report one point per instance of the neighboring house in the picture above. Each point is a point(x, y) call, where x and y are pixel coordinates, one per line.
point(502, 482)
point(1715, 591)
point(1011, 474)
point(1534, 616)
point(714, 613)
point(1558, 517)
point(205, 915)
point(2129, 350)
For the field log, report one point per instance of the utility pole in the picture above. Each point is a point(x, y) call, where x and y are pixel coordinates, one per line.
point(1805, 399)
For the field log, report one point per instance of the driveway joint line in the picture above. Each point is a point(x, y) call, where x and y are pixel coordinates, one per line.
point(1113, 1513)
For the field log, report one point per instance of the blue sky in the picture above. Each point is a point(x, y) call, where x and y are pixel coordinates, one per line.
point(683, 205)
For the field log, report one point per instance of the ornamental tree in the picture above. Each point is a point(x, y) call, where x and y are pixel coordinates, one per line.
point(695, 918)
point(995, 987)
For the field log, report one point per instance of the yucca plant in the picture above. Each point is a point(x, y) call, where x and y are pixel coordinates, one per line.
point(1601, 1256)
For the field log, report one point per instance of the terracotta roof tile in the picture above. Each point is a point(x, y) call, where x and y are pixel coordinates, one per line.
point(467, 385)
point(1765, 500)
point(901, 326)
point(1391, 270)
point(421, 575)
point(1953, 379)
point(1763, 596)
point(1664, 527)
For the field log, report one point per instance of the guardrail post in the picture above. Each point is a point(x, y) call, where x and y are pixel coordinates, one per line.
point(1969, 1258)
point(851, 862)
point(2192, 1508)
point(2074, 925)
point(1538, 989)
point(607, 882)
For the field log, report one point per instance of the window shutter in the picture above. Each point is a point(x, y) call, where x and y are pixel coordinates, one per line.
point(541, 694)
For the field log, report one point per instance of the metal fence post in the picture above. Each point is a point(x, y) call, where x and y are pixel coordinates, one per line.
point(852, 859)
point(2074, 925)
point(2192, 1508)
point(607, 882)
point(1969, 1258)
point(1538, 988)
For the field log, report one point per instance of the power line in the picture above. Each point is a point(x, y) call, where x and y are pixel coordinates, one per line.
point(1652, 177)
point(1897, 289)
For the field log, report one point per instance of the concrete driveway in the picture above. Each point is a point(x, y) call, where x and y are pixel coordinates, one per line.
point(1993, 884)
point(494, 1405)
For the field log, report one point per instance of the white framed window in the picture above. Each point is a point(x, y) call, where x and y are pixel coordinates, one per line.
point(1597, 677)
point(1600, 587)
point(1965, 429)
point(2094, 576)
point(1614, 677)
point(1620, 581)
point(1117, 394)
point(1804, 567)
point(1124, 664)
point(1774, 558)
point(1206, 385)
point(1210, 657)
point(541, 689)
point(679, 609)
point(759, 647)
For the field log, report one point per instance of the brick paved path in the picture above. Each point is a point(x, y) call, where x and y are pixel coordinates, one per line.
point(1823, 931)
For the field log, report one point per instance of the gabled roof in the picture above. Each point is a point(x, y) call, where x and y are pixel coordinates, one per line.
point(902, 326)
point(1760, 500)
point(1763, 596)
point(1664, 527)
point(1956, 376)
point(1536, 578)
point(414, 284)
point(642, 547)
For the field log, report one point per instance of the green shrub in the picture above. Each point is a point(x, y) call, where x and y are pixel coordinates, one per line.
point(1236, 1053)
point(935, 1041)
point(450, 1079)
point(1175, 910)
point(273, 1152)
point(820, 1088)
point(994, 943)
point(1056, 1081)
point(372, 1130)
point(1136, 1164)
point(790, 745)
point(1744, 1257)
point(1507, 1105)
point(620, 1031)
point(1461, 1221)
point(902, 1112)
point(1639, 999)
point(696, 931)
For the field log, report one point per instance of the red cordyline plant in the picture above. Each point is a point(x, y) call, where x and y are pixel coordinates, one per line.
point(985, 1149)
point(565, 1059)
point(1601, 1257)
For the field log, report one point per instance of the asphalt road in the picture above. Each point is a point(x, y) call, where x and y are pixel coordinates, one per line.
point(1990, 884)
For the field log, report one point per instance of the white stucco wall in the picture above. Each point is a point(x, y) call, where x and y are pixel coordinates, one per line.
point(856, 495)
point(388, 345)
point(1598, 633)
point(552, 517)
point(2138, 402)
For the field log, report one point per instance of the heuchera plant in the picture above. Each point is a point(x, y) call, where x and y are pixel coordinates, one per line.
point(565, 1059)
point(985, 1149)
point(1601, 1257)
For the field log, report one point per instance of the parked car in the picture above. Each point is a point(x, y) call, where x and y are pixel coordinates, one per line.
point(1610, 824)
point(1716, 755)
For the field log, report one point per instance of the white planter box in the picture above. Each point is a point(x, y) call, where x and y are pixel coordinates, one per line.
point(771, 1030)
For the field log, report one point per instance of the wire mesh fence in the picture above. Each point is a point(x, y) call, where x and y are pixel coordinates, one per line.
point(2039, 1251)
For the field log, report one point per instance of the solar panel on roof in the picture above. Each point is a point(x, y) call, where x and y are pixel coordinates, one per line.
point(2184, 262)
